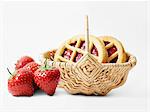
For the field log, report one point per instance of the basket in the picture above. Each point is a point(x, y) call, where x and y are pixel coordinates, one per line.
point(88, 76)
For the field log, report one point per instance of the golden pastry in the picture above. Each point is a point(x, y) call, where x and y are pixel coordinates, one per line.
point(49, 54)
point(73, 49)
point(115, 50)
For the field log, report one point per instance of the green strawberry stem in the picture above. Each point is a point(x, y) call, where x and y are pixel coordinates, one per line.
point(9, 72)
point(45, 63)
point(46, 66)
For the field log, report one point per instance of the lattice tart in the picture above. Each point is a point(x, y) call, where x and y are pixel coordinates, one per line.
point(49, 54)
point(73, 49)
point(115, 49)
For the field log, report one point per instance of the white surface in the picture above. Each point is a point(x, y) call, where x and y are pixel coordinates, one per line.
point(31, 28)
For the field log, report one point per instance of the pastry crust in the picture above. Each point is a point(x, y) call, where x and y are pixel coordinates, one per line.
point(49, 54)
point(94, 41)
point(120, 54)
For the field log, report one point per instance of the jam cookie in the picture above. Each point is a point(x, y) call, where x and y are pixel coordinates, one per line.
point(115, 50)
point(49, 54)
point(73, 49)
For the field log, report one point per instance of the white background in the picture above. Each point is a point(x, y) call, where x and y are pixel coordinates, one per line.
point(30, 28)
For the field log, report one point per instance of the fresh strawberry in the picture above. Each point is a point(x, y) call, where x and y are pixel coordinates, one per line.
point(23, 61)
point(47, 79)
point(21, 83)
point(32, 66)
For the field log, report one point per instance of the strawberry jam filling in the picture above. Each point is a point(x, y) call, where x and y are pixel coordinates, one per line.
point(114, 60)
point(94, 51)
point(106, 43)
point(67, 54)
point(73, 44)
point(111, 50)
point(82, 45)
point(77, 57)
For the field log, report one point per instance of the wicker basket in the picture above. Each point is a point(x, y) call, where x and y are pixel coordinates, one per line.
point(88, 76)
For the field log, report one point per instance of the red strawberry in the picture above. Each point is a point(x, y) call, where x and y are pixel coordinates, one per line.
point(47, 78)
point(21, 83)
point(23, 61)
point(32, 66)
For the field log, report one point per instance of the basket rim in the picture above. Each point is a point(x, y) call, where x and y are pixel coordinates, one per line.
point(131, 61)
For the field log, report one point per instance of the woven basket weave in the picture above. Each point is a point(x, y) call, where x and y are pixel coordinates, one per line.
point(88, 76)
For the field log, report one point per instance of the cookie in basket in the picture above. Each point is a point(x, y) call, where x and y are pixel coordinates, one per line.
point(73, 49)
point(115, 50)
point(49, 54)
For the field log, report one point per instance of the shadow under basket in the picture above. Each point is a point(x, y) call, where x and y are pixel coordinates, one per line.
point(89, 77)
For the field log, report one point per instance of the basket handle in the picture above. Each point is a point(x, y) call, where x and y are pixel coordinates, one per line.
point(87, 33)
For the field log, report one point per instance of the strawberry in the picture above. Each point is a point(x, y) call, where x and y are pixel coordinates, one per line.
point(32, 66)
point(47, 78)
point(21, 83)
point(23, 61)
